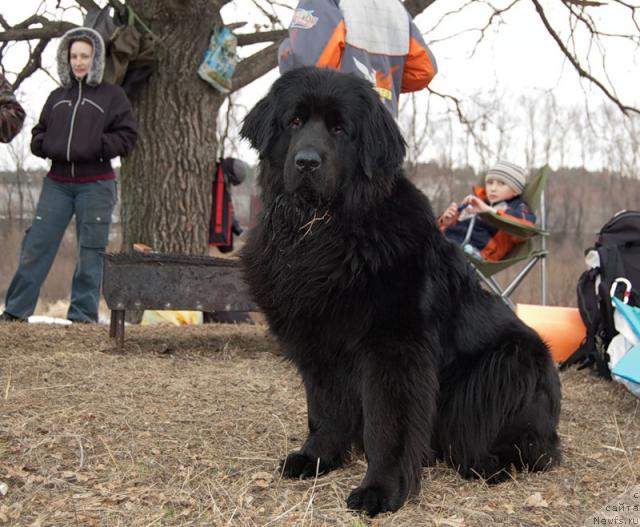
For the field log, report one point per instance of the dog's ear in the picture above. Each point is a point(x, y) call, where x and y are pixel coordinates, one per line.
point(382, 147)
point(259, 124)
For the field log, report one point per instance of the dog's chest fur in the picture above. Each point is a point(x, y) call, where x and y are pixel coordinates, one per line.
point(336, 271)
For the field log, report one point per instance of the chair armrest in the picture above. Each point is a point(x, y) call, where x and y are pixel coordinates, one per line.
point(513, 227)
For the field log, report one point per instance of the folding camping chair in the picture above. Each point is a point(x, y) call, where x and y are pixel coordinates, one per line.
point(533, 195)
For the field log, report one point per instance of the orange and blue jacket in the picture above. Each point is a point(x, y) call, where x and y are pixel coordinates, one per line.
point(375, 39)
point(493, 244)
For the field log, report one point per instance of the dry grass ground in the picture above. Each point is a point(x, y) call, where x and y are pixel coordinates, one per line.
point(186, 425)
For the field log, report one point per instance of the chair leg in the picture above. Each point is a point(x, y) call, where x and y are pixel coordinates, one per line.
point(520, 276)
point(506, 292)
point(495, 288)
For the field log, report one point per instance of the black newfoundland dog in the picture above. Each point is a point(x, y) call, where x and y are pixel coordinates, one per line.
point(402, 353)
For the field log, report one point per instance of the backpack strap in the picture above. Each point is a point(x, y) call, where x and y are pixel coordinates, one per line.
point(582, 355)
point(590, 314)
point(592, 353)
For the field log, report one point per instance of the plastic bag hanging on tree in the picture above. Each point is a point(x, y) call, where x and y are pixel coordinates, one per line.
point(220, 59)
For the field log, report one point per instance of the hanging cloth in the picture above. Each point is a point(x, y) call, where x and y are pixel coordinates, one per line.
point(221, 212)
point(130, 54)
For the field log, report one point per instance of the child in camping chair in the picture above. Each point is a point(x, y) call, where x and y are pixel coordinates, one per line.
point(503, 185)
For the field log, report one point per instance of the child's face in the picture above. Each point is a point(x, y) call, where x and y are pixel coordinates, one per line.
point(498, 190)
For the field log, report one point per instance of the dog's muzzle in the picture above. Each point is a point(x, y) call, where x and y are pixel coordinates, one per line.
point(307, 161)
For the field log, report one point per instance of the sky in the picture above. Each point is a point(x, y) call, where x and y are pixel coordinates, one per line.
point(516, 57)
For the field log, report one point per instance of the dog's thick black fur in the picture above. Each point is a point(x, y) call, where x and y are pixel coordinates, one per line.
point(402, 353)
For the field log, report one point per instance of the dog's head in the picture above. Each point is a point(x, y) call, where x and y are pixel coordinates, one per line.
point(326, 138)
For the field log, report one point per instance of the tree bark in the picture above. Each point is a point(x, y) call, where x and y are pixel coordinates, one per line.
point(166, 181)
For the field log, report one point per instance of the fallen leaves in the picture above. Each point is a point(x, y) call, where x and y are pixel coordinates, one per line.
point(262, 479)
point(9, 513)
point(536, 500)
point(453, 521)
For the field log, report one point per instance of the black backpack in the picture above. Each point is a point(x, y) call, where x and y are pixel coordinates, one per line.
point(618, 247)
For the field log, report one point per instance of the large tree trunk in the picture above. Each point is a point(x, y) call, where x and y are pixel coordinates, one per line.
point(166, 181)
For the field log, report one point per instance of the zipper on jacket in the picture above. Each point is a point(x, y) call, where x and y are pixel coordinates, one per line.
point(63, 101)
point(73, 119)
point(95, 105)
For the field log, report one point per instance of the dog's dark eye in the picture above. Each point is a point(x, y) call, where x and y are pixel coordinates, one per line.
point(338, 129)
point(296, 122)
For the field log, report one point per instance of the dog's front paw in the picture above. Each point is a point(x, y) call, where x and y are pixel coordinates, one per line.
point(297, 465)
point(373, 500)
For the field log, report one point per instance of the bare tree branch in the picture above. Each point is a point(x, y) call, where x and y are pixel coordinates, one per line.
point(50, 29)
point(271, 17)
point(463, 118)
point(584, 3)
point(576, 64)
point(255, 66)
point(34, 64)
point(245, 39)
point(580, 15)
point(87, 4)
point(443, 18)
point(495, 15)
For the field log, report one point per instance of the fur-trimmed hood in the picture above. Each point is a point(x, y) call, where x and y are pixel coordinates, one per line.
point(94, 77)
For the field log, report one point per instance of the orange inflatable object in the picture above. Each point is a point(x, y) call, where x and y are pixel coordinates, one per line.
point(560, 327)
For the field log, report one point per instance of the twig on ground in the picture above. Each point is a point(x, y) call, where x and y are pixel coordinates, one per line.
point(6, 392)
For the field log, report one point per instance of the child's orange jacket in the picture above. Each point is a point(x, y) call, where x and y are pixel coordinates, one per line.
point(492, 243)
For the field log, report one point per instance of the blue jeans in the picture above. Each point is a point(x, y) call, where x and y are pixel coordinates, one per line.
point(92, 204)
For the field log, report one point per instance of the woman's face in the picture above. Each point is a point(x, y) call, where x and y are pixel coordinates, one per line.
point(80, 58)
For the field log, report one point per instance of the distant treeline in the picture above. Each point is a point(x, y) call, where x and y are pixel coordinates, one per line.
point(576, 200)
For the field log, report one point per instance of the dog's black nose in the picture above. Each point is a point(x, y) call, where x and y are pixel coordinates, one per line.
point(307, 160)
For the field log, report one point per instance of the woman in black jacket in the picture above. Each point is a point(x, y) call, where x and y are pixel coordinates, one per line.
point(84, 124)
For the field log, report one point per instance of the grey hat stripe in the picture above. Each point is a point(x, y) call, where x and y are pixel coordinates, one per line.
point(511, 174)
point(509, 177)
